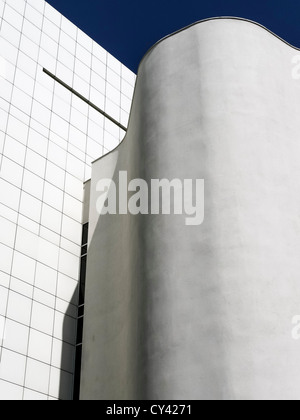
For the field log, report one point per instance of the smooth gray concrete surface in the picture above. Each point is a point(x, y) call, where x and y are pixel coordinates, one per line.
point(203, 312)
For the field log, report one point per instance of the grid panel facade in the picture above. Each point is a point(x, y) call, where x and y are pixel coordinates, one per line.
point(48, 139)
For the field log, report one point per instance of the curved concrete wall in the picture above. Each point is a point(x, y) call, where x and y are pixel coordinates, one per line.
point(203, 312)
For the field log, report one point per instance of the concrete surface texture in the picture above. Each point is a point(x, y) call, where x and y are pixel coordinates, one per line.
point(202, 312)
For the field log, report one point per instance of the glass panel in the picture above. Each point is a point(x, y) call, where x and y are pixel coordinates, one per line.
point(61, 384)
point(61, 108)
point(52, 14)
point(80, 105)
point(71, 230)
point(69, 27)
point(37, 376)
point(128, 75)
point(99, 52)
point(4, 279)
point(112, 109)
point(19, 115)
point(19, 5)
point(41, 113)
point(33, 184)
point(37, 4)
point(6, 258)
point(55, 175)
point(95, 131)
point(45, 278)
point(97, 98)
point(127, 89)
point(10, 392)
point(42, 318)
point(28, 224)
point(98, 82)
point(70, 246)
point(7, 232)
point(10, 195)
point(21, 287)
point(16, 336)
point(27, 243)
point(113, 79)
point(65, 328)
point(17, 129)
point(21, 99)
point(34, 396)
point(69, 264)
point(49, 62)
point(110, 142)
point(125, 103)
point(84, 40)
point(69, 45)
point(59, 126)
point(30, 207)
point(49, 45)
point(10, 34)
point(82, 71)
point(31, 31)
point(40, 346)
point(96, 117)
point(112, 128)
point(12, 367)
point(49, 235)
point(57, 155)
point(13, 17)
point(73, 186)
point(34, 16)
point(66, 308)
point(51, 218)
point(67, 288)
point(23, 268)
point(43, 95)
point(77, 138)
point(19, 308)
point(37, 142)
point(53, 196)
point(35, 163)
point(94, 149)
point(3, 302)
point(83, 55)
point(26, 64)
point(124, 118)
point(29, 48)
point(67, 361)
point(75, 167)
point(98, 67)
point(8, 52)
point(44, 131)
point(44, 298)
point(48, 253)
point(64, 74)
point(55, 382)
point(81, 86)
point(51, 29)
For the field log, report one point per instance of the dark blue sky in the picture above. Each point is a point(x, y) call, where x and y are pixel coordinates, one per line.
point(128, 28)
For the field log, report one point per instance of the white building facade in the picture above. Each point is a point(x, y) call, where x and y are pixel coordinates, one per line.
point(64, 102)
